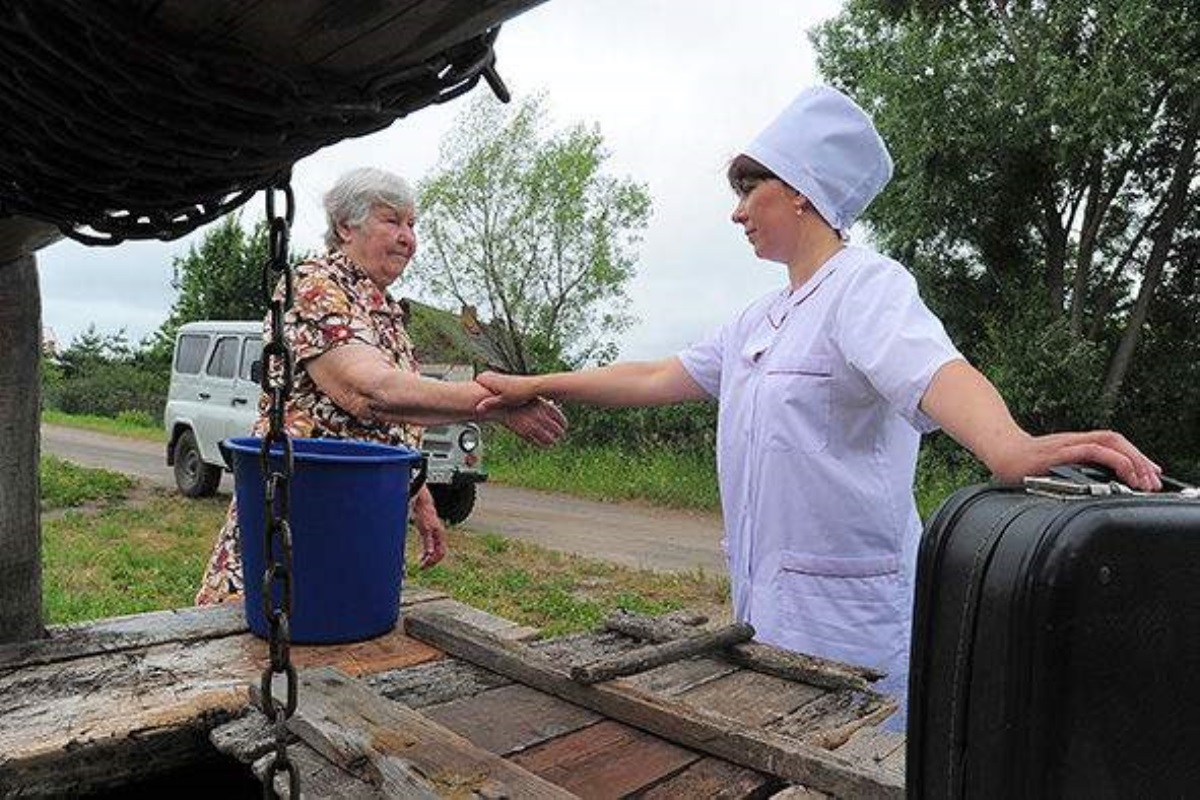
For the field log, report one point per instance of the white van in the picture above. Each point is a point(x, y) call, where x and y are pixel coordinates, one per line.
point(214, 395)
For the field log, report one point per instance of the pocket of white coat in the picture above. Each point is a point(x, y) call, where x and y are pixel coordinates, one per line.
point(799, 397)
point(844, 608)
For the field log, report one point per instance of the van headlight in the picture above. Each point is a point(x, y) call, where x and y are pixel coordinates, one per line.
point(468, 440)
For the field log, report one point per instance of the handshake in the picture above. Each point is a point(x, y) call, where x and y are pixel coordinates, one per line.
point(514, 401)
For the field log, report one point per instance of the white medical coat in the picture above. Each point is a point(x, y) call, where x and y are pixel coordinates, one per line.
point(817, 443)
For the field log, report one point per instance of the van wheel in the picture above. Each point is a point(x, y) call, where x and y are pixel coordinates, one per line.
point(193, 476)
point(454, 503)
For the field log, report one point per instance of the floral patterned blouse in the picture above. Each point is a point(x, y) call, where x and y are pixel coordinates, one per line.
point(334, 303)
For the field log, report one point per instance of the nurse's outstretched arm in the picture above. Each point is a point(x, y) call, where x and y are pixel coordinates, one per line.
point(625, 384)
point(967, 406)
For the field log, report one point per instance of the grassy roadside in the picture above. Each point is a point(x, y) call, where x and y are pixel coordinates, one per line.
point(120, 548)
point(132, 425)
point(662, 477)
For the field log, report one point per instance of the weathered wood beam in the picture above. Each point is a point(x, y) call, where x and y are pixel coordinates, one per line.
point(713, 734)
point(68, 642)
point(136, 631)
point(821, 672)
point(655, 655)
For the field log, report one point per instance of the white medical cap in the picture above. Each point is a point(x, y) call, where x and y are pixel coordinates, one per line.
point(825, 147)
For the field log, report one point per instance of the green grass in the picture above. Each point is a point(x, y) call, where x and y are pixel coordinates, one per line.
point(559, 592)
point(674, 479)
point(132, 424)
point(114, 557)
point(64, 484)
point(127, 559)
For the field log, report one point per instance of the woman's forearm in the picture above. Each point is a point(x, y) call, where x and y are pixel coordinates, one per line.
point(627, 384)
point(967, 406)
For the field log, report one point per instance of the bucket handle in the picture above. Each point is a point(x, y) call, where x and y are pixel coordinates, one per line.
point(420, 473)
point(226, 454)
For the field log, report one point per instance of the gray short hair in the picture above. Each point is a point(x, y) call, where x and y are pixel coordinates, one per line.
point(356, 192)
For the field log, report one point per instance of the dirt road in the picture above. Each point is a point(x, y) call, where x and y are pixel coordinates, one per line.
point(625, 533)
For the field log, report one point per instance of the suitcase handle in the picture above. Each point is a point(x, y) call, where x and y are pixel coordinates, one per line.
point(1087, 475)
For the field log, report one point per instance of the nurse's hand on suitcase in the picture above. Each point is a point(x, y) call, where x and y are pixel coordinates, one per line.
point(967, 406)
point(1035, 455)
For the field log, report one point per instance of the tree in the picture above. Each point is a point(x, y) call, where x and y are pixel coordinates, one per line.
point(1046, 160)
point(220, 279)
point(528, 230)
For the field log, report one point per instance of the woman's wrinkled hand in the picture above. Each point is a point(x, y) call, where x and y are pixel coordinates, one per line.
point(429, 527)
point(539, 422)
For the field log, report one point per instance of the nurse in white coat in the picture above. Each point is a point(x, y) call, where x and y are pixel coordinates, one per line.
point(825, 387)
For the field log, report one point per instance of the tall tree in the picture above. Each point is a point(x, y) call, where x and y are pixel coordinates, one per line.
point(526, 228)
point(220, 279)
point(1046, 159)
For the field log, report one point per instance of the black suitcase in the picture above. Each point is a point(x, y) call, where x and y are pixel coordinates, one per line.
point(1056, 644)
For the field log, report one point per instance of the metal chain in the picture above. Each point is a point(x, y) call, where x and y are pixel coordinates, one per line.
point(277, 533)
point(130, 131)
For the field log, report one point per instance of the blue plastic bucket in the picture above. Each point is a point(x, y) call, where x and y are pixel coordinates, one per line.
point(349, 516)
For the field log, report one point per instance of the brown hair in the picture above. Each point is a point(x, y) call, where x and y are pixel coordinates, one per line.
point(744, 173)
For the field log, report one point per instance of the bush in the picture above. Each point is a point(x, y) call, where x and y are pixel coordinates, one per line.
point(688, 427)
point(110, 389)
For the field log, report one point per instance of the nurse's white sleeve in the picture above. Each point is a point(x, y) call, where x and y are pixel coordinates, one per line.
point(888, 334)
point(703, 361)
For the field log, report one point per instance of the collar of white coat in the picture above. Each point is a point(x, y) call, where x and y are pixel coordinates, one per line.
point(797, 296)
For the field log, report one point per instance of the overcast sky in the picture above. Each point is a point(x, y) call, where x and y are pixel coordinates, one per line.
point(677, 87)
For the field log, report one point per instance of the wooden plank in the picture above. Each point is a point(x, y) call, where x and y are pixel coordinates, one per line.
point(392, 650)
point(607, 759)
point(680, 677)
point(511, 718)
point(245, 737)
point(434, 682)
point(117, 708)
point(884, 749)
point(398, 749)
point(655, 655)
point(250, 739)
point(706, 731)
point(476, 618)
point(319, 778)
point(829, 720)
point(712, 779)
point(751, 698)
point(113, 635)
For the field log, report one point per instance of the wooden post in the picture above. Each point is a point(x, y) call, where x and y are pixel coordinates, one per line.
point(20, 401)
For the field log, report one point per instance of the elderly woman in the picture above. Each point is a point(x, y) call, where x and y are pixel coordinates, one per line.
point(825, 387)
point(356, 376)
